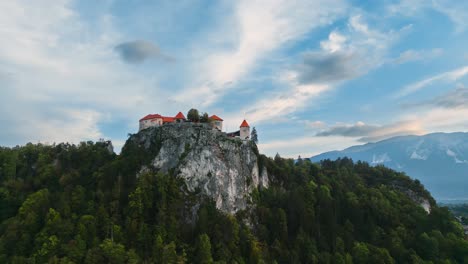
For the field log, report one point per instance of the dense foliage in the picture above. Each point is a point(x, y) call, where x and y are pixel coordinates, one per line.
point(193, 115)
point(84, 204)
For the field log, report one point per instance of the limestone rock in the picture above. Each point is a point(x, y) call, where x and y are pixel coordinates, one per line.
point(223, 168)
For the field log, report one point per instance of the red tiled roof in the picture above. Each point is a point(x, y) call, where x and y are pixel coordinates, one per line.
point(167, 119)
point(151, 116)
point(215, 117)
point(179, 116)
point(244, 124)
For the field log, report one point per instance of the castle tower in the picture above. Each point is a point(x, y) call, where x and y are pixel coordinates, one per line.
point(244, 130)
point(179, 117)
point(217, 122)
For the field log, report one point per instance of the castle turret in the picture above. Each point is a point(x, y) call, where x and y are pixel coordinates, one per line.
point(244, 130)
point(217, 122)
point(179, 117)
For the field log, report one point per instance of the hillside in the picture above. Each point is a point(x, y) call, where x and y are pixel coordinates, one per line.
point(439, 160)
point(156, 203)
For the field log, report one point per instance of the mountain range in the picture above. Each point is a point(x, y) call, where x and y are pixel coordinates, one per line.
point(438, 160)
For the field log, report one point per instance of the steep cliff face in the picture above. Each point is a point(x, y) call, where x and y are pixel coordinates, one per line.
point(225, 169)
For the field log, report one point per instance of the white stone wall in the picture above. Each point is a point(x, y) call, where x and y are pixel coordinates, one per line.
point(218, 125)
point(244, 132)
point(150, 123)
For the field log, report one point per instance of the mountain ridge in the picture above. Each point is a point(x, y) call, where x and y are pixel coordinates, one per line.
point(438, 160)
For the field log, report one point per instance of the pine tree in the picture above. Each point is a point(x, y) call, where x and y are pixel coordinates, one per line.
point(204, 250)
point(254, 136)
point(158, 250)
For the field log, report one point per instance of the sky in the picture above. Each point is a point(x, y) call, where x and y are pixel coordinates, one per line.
point(310, 75)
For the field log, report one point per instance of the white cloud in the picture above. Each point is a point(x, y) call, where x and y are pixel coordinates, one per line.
point(287, 103)
point(334, 43)
point(314, 124)
point(74, 126)
point(370, 133)
point(417, 55)
point(456, 11)
point(455, 98)
point(347, 54)
point(441, 119)
point(260, 27)
point(449, 76)
point(364, 49)
point(61, 76)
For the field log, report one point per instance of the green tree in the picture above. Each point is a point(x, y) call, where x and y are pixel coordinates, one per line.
point(113, 252)
point(361, 253)
point(204, 250)
point(170, 254)
point(193, 115)
point(205, 118)
point(254, 135)
point(158, 249)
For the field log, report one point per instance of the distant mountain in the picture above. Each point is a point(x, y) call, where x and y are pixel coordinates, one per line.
point(438, 160)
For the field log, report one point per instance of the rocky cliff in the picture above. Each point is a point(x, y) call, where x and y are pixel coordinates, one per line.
point(223, 168)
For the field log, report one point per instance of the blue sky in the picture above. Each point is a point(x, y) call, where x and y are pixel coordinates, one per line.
point(311, 76)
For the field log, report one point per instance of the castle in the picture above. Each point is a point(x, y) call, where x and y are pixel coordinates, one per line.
point(154, 120)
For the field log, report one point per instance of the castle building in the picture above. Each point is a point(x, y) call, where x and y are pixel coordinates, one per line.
point(179, 117)
point(244, 130)
point(152, 120)
point(217, 122)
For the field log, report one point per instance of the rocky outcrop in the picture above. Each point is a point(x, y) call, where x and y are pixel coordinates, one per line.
point(223, 168)
point(419, 199)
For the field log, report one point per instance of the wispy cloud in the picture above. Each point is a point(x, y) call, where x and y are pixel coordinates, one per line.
point(449, 76)
point(262, 27)
point(371, 133)
point(417, 55)
point(62, 76)
point(284, 104)
point(359, 129)
point(314, 124)
point(440, 118)
point(456, 11)
point(455, 98)
point(342, 56)
point(347, 55)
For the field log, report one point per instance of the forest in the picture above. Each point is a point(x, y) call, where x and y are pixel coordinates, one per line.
point(66, 203)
